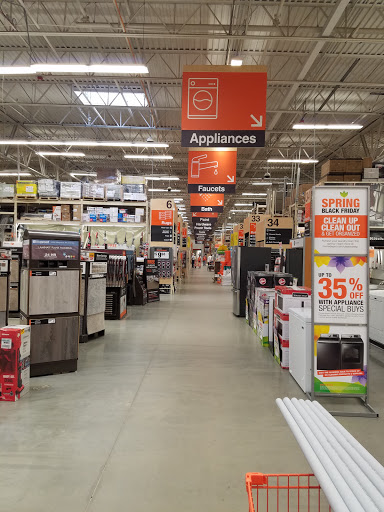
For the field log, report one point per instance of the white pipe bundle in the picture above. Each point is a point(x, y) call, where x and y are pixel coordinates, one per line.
point(351, 478)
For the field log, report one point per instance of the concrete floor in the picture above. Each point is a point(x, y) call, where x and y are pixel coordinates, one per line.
point(167, 412)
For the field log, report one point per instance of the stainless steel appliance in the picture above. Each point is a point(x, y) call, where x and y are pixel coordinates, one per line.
point(351, 352)
point(245, 259)
point(328, 352)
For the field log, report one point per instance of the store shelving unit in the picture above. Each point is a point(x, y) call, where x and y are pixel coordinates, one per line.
point(17, 201)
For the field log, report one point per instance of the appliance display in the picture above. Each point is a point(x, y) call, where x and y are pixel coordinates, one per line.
point(340, 352)
point(328, 352)
point(15, 345)
point(288, 297)
point(245, 259)
point(300, 347)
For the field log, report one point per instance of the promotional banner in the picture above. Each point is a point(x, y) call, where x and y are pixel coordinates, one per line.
point(207, 203)
point(223, 107)
point(340, 298)
point(211, 170)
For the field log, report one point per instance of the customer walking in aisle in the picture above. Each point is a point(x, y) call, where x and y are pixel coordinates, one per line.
point(199, 262)
point(204, 260)
point(193, 260)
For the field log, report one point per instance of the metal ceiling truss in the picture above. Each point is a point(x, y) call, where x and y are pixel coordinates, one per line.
point(325, 62)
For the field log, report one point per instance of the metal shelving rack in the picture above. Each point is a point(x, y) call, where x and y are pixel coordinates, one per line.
point(82, 202)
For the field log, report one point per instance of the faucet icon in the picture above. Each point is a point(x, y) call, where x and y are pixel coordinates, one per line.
point(197, 165)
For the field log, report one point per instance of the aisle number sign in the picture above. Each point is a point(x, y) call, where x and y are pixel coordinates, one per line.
point(340, 296)
point(223, 107)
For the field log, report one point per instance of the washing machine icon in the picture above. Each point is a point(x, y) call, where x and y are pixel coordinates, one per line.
point(203, 98)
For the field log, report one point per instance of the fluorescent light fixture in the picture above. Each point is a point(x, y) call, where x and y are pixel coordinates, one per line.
point(63, 153)
point(162, 178)
point(21, 173)
point(83, 173)
point(261, 194)
point(303, 126)
point(90, 143)
point(178, 199)
point(263, 183)
point(236, 62)
point(243, 204)
point(73, 68)
point(149, 157)
point(292, 161)
point(114, 98)
point(163, 190)
point(244, 211)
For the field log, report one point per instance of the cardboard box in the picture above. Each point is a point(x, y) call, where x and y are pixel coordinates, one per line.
point(308, 195)
point(371, 173)
point(367, 162)
point(65, 212)
point(76, 212)
point(331, 179)
point(352, 177)
point(70, 190)
point(49, 188)
point(56, 212)
point(354, 166)
point(15, 350)
point(7, 190)
point(333, 166)
point(26, 188)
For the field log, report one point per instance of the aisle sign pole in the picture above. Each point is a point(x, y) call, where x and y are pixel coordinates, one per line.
point(340, 294)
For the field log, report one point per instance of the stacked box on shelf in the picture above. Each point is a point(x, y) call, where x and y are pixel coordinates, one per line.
point(113, 192)
point(48, 188)
point(7, 190)
point(70, 190)
point(134, 192)
point(26, 188)
point(286, 298)
point(93, 191)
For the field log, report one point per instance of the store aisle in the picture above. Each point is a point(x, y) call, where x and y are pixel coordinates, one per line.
point(167, 412)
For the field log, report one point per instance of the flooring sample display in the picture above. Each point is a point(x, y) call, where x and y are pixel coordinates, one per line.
point(3, 293)
point(97, 289)
point(14, 277)
point(14, 299)
point(54, 292)
point(57, 341)
point(95, 323)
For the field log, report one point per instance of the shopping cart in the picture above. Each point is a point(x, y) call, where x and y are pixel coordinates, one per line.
point(285, 492)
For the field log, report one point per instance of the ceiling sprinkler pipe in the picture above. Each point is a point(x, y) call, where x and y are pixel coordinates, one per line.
point(335, 500)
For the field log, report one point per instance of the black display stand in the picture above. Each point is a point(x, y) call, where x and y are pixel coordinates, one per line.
point(116, 303)
point(141, 297)
point(151, 275)
point(49, 301)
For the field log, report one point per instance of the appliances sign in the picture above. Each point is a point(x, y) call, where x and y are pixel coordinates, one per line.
point(223, 107)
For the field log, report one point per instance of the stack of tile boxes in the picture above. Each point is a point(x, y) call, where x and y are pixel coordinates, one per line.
point(286, 298)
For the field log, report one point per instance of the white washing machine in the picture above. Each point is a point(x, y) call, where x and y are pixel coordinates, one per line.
point(300, 346)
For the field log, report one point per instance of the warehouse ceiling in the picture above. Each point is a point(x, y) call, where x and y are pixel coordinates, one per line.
point(325, 61)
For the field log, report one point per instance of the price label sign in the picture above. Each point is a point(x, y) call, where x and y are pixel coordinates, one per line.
point(340, 298)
